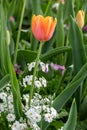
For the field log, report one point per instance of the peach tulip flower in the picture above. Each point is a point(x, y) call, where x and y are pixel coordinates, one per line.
point(80, 18)
point(43, 27)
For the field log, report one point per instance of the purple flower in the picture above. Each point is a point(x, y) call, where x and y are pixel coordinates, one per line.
point(12, 18)
point(85, 28)
point(17, 69)
point(57, 67)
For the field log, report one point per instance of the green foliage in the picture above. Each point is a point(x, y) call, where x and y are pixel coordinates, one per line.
point(67, 47)
point(7, 66)
point(72, 119)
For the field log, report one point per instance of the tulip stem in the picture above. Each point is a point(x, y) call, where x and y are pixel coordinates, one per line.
point(19, 32)
point(34, 73)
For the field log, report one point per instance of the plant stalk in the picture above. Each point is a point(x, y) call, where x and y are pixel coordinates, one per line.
point(34, 73)
point(19, 32)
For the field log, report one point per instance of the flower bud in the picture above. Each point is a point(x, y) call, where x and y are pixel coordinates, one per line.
point(80, 18)
point(8, 36)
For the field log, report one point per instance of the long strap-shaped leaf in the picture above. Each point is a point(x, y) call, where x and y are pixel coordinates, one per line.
point(70, 89)
point(68, 9)
point(55, 52)
point(78, 52)
point(8, 67)
point(77, 44)
point(71, 122)
point(3, 51)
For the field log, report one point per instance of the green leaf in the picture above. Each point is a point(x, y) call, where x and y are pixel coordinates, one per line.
point(83, 109)
point(7, 67)
point(36, 7)
point(18, 9)
point(60, 27)
point(77, 44)
point(68, 9)
point(72, 119)
point(15, 91)
point(78, 5)
point(78, 52)
point(3, 45)
point(60, 31)
point(11, 8)
point(26, 56)
point(55, 52)
point(4, 81)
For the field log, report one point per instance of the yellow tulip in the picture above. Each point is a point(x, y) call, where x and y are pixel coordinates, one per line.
point(80, 18)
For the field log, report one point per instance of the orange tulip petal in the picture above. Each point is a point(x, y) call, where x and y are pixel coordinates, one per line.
point(52, 28)
point(37, 27)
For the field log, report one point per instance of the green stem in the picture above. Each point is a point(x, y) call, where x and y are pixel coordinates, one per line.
point(47, 8)
point(19, 32)
point(34, 73)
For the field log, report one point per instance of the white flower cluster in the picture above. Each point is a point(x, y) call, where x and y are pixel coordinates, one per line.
point(7, 107)
point(19, 126)
point(41, 82)
point(3, 104)
point(40, 108)
point(42, 66)
point(7, 102)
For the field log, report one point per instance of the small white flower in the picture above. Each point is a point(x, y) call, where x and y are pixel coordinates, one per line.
point(10, 117)
point(3, 96)
point(27, 80)
point(10, 99)
point(31, 66)
point(3, 107)
point(16, 126)
point(38, 84)
point(26, 97)
point(37, 117)
point(61, 128)
point(7, 88)
point(46, 100)
point(35, 102)
point(43, 81)
point(38, 96)
point(38, 109)
point(71, 66)
point(44, 108)
point(23, 126)
point(53, 112)
point(35, 127)
point(55, 6)
point(44, 67)
point(47, 68)
point(48, 117)
point(30, 113)
point(11, 108)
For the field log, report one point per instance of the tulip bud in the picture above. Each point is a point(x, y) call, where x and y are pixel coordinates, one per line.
point(80, 18)
point(8, 36)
